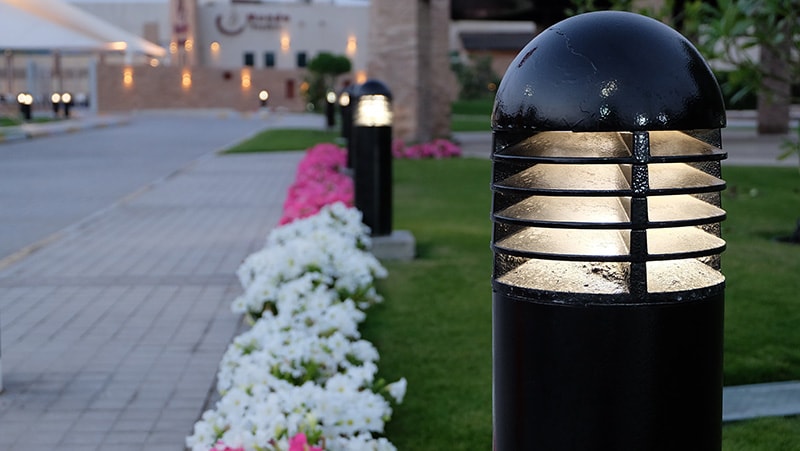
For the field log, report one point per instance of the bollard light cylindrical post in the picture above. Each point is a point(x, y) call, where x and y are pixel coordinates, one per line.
point(263, 98)
point(372, 166)
point(330, 110)
point(607, 292)
point(25, 101)
point(66, 99)
point(55, 100)
point(346, 114)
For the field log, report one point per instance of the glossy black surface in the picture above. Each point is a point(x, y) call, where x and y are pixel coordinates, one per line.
point(608, 71)
point(373, 87)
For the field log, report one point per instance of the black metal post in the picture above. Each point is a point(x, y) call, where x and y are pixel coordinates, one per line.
point(372, 133)
point(346, 115)
point(66, 99)
point(607, 297)
point(55, 99)
point(25, 101)
point(330, 110)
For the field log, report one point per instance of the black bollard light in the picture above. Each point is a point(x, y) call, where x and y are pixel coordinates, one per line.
point(346, 114)
point(66, 100)
point(25, 101)
point(607, 291)
point(55, 100)
point(372, 166)
point(263, 97)
point(330, 109)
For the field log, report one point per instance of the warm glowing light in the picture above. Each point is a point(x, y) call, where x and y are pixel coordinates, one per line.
point(215, 47)
point(55, 98)
point(118, 45)
point(186, 79)
point(492, 87)
point(66, 97)
point(263, 95)
point(285, 42)
point(352, 46)
point(344, 99)
point(25, 98)
point(188, 45)
point(361, 77)
point(373, 111)
point(246, 80)
point(127, 77)
point(304, 87)
point(173, 47)
point(331, 97)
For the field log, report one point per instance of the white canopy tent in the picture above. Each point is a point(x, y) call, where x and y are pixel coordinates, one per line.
point(69, 29)
point(55, 27)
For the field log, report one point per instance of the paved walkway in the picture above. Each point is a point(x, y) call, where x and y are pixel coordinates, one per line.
point(113, 333)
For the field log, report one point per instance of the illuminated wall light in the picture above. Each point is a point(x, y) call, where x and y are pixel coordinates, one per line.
point(188, 45)
point(127, 77)
point(361, 77)
point(214, 47)
point(304, 87)
point(246, 79)
point(352, 46)
point(154, 62)
point(173, 47)
point(285, 42)
point(186, 79)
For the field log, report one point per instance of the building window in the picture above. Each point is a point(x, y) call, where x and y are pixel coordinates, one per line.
point(302, 59)
point(249, 59)
point(269, 59)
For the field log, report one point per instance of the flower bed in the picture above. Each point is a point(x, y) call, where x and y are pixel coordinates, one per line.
point(302, 378)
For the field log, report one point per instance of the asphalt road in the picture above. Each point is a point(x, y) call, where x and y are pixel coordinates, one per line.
point(51, 183)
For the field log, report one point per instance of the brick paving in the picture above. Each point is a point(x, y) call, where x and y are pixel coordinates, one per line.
point(112, 334)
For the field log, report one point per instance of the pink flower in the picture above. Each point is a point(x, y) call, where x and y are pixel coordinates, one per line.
point(300, 443)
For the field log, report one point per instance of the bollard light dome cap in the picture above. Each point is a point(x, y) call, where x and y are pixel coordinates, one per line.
point(373, 87)
point(608, 71)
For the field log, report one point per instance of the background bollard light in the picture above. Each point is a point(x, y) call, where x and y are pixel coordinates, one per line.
point(330, 109)
point(263, 97)
point(55, 100)
point(25, 101)
point(346, 114)
point(607, 295)
point(372, 133)
point(66, 99)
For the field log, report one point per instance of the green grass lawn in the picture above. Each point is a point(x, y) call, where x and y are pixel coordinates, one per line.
point(284, 139)
point(472, 115)
point(435, 326)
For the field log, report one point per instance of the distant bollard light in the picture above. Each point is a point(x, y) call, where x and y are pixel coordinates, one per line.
point(55, 100)
point(25, 101)
point(330, 109)
point(66, 99)
point(372, 133)
point(607, 291)
point(263, 97)
point(346, 114)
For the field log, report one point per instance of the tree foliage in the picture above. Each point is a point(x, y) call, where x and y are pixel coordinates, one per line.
point(477, 79)
point(322, 72)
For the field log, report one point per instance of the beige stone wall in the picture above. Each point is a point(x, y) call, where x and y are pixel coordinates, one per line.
point(163, 88)
point(409, 52)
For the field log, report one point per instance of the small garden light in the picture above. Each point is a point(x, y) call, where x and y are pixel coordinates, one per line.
point(55, 100)
point(66, 99)
point(346, 113)
point(607, 291)
point(25, 101)
point(263, 97)
point(372, 134)
point(330, 109)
